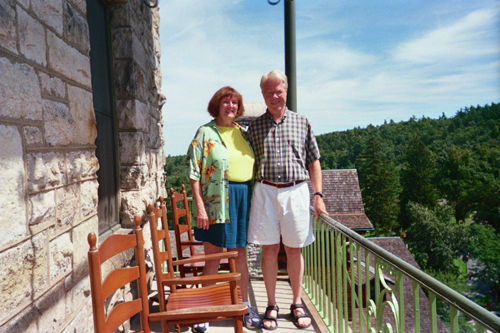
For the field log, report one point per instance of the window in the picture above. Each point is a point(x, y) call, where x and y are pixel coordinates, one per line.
point(100, 62)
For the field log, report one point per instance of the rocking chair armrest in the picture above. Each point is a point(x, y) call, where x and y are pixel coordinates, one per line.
point(203, 279)
point(215, 256)
point(196, 312)
point(186, 242)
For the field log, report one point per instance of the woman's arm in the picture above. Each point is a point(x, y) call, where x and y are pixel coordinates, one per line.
point(202, 218)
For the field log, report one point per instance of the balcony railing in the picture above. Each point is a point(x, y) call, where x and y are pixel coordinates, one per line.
point(356, 286)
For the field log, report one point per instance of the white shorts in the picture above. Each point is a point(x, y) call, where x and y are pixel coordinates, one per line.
point(279, 212)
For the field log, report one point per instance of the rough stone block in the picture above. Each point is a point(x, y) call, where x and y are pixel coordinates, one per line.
point(50, 12)
point(130, 80)
point(68, 206)
point(76, 28)
point(82, 165)
point(133, 177)
point(20, 97)
point(50, 306)
point(134, 203)
point(42, 208)
point(31, 38)
point(132, 148)
point(8, 34)
point(45, 170)
point(81, 323)
point(52, 85)
point(13, 219)
point(23, 273)
point(81, 248)
point(88, 197)
point(155, 139)
point(33, 136)
point(132, 115)
point(60, 125)
point(60, 255)
point(82, 110)
point(68, 61)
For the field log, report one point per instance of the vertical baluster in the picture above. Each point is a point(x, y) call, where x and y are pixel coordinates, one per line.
point(352, 247)
point(344, 282)
point(306, 281)
point(323, 270)
point(317, 255)
point(416, 306)
point(334, 289)
point(368, 289)
point(480, 328)
point(432, 311)
point(378, 301)
point(401, 301)
point(360, 289)
point(338, 259)
point(453, 319)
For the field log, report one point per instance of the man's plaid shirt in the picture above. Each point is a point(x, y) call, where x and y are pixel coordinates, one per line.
point(283, 151)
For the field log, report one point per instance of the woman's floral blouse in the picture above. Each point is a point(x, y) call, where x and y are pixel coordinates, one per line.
point(208, 162)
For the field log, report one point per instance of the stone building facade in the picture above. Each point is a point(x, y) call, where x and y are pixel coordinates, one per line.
point(81, 148)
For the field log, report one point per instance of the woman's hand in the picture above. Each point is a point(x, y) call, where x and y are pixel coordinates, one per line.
point(202, 219)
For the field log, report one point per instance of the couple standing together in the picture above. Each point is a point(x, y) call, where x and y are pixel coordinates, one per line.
point(269, 164)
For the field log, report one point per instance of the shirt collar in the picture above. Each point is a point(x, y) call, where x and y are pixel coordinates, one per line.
point(282, 119)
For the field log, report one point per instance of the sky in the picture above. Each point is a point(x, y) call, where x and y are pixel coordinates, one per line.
point(359, 62)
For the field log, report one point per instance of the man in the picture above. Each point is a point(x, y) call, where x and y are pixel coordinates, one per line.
point(286, 154)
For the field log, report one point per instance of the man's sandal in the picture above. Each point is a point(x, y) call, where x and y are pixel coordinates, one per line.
point(267, 317)
point(300, 315)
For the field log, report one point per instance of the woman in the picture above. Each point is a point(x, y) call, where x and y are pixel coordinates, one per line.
point(220, 162)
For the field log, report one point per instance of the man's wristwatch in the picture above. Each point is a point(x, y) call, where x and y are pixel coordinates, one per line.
point(319, 193)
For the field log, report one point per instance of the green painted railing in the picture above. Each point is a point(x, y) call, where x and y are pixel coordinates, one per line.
point(356, 286)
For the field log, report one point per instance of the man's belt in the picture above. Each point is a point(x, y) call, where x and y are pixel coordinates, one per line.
point(281, 185)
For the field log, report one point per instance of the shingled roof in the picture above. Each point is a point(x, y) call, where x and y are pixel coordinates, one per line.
point(342, 197)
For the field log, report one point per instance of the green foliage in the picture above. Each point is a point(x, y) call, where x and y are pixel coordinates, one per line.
point(416, 176)
point(175, 168)
point(379, 187)
point(434, 239)
point(485, 248)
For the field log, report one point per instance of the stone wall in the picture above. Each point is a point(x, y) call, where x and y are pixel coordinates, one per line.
point(48, 182)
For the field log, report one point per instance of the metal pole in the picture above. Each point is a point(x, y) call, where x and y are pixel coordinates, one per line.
point(290, 58)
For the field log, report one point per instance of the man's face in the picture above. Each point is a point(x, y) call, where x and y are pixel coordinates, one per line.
point(274, 93)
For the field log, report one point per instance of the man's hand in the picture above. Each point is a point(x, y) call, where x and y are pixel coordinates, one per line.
point(319, 206)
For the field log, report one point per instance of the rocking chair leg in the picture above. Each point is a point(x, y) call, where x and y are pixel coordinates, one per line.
point(238, 325)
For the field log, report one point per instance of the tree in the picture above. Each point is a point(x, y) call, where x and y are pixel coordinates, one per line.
point(416, 180)
point(434, 239)
point(379, 187)
point(455, 182)
point(485, 248)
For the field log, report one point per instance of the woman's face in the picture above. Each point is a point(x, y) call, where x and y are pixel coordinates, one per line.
point(228, 109)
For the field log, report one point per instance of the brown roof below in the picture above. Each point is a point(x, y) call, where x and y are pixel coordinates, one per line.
point(342, 197)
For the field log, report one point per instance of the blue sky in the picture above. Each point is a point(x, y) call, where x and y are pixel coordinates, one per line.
point(358, 62)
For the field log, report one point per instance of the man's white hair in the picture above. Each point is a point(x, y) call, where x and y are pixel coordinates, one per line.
point(276, 74)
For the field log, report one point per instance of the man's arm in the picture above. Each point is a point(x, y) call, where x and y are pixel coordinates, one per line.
point(317, 184)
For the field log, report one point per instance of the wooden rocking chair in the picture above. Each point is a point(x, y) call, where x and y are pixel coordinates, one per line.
point(116, 279)
point(220, 299)
point(184, 238)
